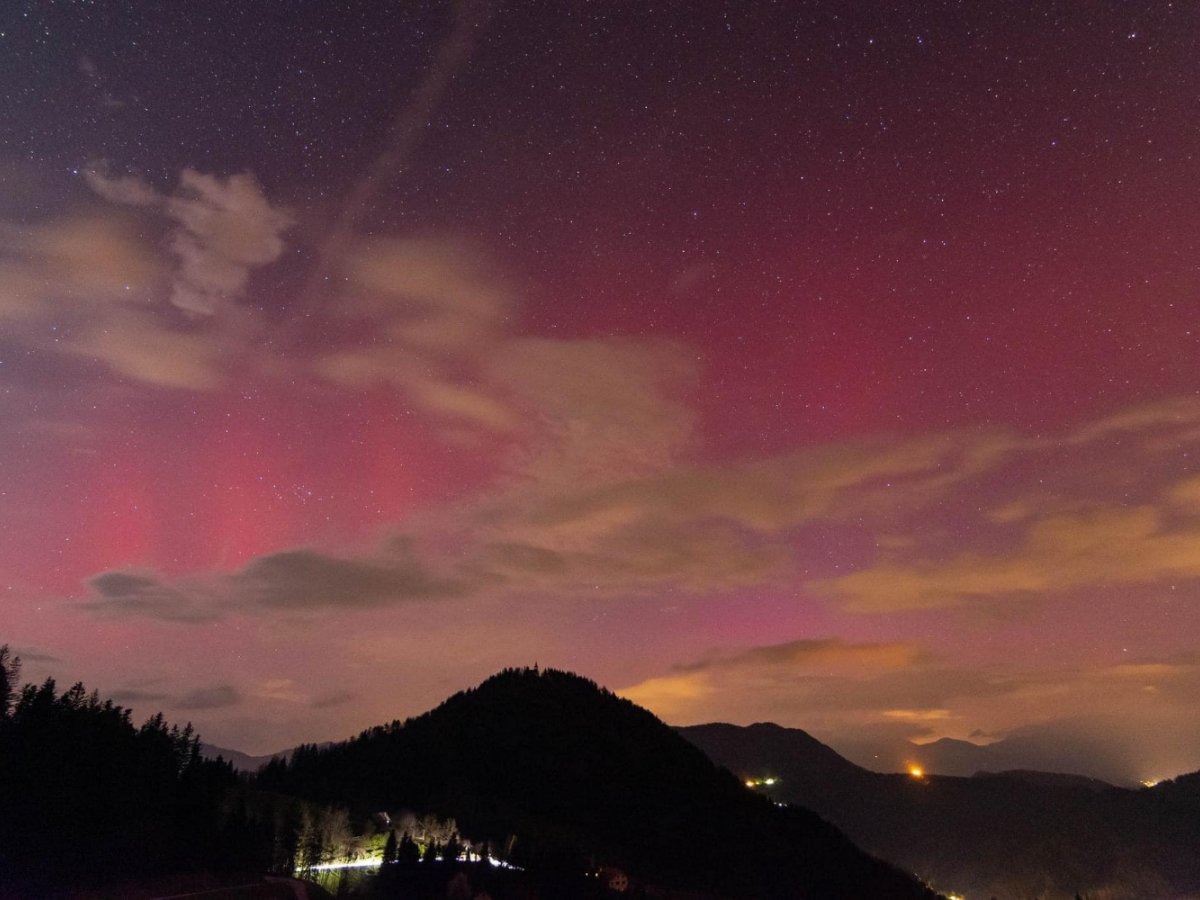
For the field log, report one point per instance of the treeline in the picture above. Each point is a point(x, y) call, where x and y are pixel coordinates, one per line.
point(88, 798)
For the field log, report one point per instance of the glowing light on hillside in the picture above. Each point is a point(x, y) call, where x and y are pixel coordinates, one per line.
point(375, 862)
point(916, 771)
point(769, 781)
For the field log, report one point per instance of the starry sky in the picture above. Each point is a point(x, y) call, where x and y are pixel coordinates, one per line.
point(827, 363)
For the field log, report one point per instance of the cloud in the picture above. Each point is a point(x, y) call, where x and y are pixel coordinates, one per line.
point(124, 595)
point(439, 295)
point(34, 655)
point(139, 348)
point(217, 697)
point(870, 699)
point(436, 319)
point(127, 190)
point(306, 580)
point(282, 690)
point(65, 267)
point(1097, 506)
point(328, 701)
point(226, 227)
point(428, 312)
point(824, 657)
point(1146, 419)
point(291, 582)
point(599, 408)
point(1102, 546)
point(1185, 495)
point(98, 285)
point(810, 675)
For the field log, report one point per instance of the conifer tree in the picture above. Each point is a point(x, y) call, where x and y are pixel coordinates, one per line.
point(431, 851)
point(408, 851)
point(10, 677)
point(390, 849)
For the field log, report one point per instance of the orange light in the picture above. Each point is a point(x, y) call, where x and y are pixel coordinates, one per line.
point(916, 771)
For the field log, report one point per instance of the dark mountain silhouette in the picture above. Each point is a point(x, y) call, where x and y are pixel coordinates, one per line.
point(244, 762)
point(568, 775)
point(1031, 750)
point(1004, 835)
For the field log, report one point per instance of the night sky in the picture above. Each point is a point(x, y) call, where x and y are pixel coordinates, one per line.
point(829, 363)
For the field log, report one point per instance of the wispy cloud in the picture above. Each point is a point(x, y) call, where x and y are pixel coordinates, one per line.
point(96, 284)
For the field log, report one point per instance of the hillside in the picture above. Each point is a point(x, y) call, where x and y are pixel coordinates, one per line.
point(570, 775)
point(1004, 835)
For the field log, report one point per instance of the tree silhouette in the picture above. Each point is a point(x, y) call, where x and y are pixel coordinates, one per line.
point(390, 848)
point(408, 851)
point(10, 677)
point(75, 772)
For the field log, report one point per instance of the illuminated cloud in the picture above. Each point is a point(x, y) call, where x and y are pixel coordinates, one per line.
point(1146, 420)
point(140, 348)
point(872, 699)
point(428, 312)
point(281, 690)
point(1185, 495)
point(1056, 526)
point(92, 285)
point(598, 409)
point(806, 677)
point(439, 297)
point(224, 228)
point(436, 319)
point(55, 268)
point(1102, 546)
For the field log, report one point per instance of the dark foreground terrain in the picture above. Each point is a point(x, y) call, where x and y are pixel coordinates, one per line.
point(1004, 835)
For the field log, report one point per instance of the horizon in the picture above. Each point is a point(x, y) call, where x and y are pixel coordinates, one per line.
point(812, 365)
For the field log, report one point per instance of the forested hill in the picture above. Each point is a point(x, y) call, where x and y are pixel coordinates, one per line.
point(1004, 835)
point(568, 774)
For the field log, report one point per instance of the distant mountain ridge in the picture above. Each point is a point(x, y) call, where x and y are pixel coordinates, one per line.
point(570, 774)
point(1004, 835)
point(244, 762)
point(1027, 751)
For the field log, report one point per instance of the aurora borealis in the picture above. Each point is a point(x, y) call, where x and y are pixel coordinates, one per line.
point(806, 362)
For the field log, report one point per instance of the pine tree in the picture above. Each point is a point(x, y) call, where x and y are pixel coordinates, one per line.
point(390, 849)
point(431, 851)
point(10, 677)
point(453, 849)
point(408, 851)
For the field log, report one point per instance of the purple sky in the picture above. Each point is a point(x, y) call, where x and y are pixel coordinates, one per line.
point(800, 362)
